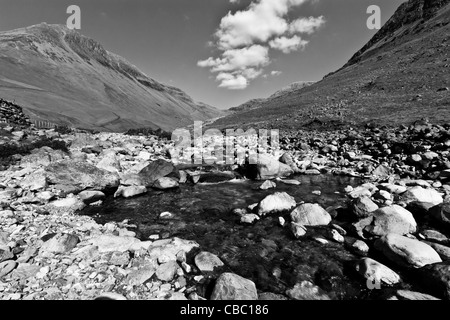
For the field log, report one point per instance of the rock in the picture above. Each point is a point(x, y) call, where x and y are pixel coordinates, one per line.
point(441, 214)
point(142, 275)
point(437, 278)
point(298, 230)
point(230, 286)
point(268, 167)
point(381, 171)
point(25, 271)
point(154, 171)
point(167, 271)
point(412, 295)
point(443, 251)
point(333, 234)
point(129, 192)
point(277, 202)
point(306, 290)
point(65, 205)
point(375, 271)
point(406, 252)
point(7, 267)
point(358, 246)
point(110, 296)
point(269, 296)
point(110, 162)
point(120, 258)
point(392, 219)
point(249, 218)
point(110, 243)
point(131, 179)
point(35, 181)
point(267, 185)
point(419, 195)
point(291, 182)
point(310, 215)
point(60, 243)
point(206, 261)
point(6, 254)
point(286, 158)
point(89, 197)
point(363, 207)
point(80, 176)
point(393, 188)
point(360, 192)
point(433, 235)
point(168, 249)
point(165, 183)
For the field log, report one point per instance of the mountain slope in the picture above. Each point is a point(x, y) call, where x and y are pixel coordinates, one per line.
point(257, 103)
point(400, 76)
point(58, 75)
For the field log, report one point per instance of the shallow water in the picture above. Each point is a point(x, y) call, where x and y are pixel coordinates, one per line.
point(265, 252)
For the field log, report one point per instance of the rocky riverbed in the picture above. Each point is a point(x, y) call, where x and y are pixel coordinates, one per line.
point(394, 226)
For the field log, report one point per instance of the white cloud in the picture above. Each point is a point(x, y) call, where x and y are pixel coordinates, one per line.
point(306, 25)
point(275, 73)
point(232, 82)
point(288, 45)
point(244, 38)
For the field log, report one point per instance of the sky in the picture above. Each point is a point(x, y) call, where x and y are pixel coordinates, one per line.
point(220, 52)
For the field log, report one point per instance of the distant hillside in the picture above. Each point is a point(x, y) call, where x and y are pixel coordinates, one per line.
point(257, 103)
point(401, 75)
point(61, 76)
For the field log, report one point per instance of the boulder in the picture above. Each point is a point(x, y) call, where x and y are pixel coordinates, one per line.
point(392, 219)
point(129, 192)
point(277, 202)
point(437, 278)
point(167, 271)
point(80, 176)
point(35, 181)
point(441, 214)
point(206, 261)
point(60, 243)
point(374, 271)
point(230, 286)
point(267, 185)
point(154, 171)
point(165, 183)
point(91, 196)
point(363, 207)
point(406, 252)
point(110, 162)
point(309, 214)
point(110, 243)
point(419, 195)
point(268, 167)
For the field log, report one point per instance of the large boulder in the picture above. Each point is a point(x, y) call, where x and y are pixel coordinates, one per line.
point(374, 271)
point(268, 167)
point(277, 202)
point(230, 286)
point(79, 176)
point(422, 197)
point(35, 181)
point(154, 171)
point(309, 214)
point(363, 207)
point(406, 252)
point(392, 219)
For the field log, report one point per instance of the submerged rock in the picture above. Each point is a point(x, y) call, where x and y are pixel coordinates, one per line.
point(375, 271)
point(277, 202)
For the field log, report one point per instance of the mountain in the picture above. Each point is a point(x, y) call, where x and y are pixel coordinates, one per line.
point(257, 103)
point(401, 75)
point(61, 76)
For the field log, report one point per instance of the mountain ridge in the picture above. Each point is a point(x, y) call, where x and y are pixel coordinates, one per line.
point(400, 76)
point(59, 75)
